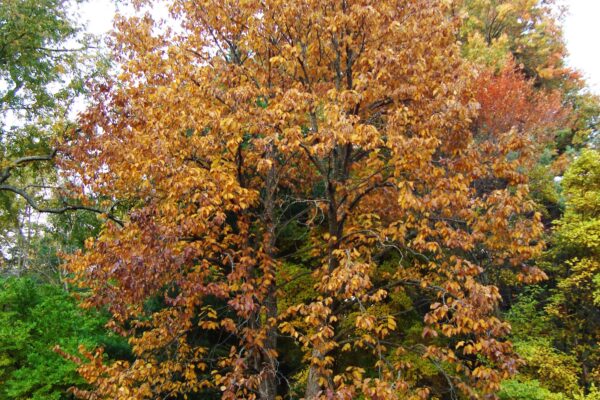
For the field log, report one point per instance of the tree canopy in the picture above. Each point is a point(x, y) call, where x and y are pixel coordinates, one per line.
point(336, 137)
point(304, 199)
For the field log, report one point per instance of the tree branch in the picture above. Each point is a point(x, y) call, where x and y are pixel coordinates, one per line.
point(58, 210)
point(5, 173)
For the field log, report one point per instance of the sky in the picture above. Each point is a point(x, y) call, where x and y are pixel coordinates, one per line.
point(582, 34)
point(581, 27)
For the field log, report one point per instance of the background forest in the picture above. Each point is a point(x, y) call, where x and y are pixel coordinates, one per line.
point(298, 199)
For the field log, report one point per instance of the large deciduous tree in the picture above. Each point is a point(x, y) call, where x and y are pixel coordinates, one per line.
point(266, 143)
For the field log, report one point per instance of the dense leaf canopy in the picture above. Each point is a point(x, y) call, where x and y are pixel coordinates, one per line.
point(393, 199)
point(350, 122)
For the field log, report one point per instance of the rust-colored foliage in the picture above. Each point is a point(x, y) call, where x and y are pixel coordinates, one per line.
point(509, 101)
point(515, 124)
point(351, 121)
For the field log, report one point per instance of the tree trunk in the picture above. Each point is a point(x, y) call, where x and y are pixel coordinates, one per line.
point(339, 173)
point(268, 386)
point(313, 387)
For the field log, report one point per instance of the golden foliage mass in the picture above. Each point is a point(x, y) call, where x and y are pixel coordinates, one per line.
point(352, 120)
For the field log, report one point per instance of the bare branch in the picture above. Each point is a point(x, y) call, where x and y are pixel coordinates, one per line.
point(57, 210)
point(6, 172)
point(28, 159)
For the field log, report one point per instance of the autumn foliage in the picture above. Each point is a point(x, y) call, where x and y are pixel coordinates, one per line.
point(508, 100)
point(345, 145)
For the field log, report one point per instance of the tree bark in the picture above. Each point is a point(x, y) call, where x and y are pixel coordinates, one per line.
point(338, 171)
point(313, 387)
point(268, 385)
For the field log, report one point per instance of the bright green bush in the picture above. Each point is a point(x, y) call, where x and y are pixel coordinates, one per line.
point(33, 319)
point(527, 390)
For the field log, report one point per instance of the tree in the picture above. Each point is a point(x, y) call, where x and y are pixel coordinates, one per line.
point(44, 60)
point(575, 256)
point(33, 56)
point(497, 33)
point(561, 121)
point(528, 30)
point(36, 317)
point(32, 59)
point(267, 142)
point(513, 110)
point(556, 325)
point(509, 100)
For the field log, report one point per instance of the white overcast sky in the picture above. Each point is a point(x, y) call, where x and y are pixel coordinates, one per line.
point(582, 32)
